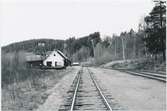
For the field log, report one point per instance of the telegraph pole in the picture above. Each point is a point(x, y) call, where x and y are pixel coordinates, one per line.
point(93, 47)
point(123, 48)
point(115, 47)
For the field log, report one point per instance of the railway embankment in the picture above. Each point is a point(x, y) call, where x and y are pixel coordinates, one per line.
point(137, 64)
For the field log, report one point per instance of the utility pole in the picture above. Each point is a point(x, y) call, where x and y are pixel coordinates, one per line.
point(123, 48)
point(134, 47)
point(93, 47)
point(115, 47)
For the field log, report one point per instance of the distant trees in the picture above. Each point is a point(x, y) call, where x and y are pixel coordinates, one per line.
point(81, 49)
point(102, 53)
point(33, 45)
point(69, 45)
point(127, 45)
point(148, 41)
point(82, 55)
point(73, 47)
point(132, 45)
point(155, 38)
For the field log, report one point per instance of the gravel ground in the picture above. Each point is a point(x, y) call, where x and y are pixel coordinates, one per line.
point(58, 92)
point(132, 93)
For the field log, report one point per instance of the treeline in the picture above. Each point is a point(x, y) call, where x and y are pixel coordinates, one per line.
point(148, 42)
point(72, 47)
point(127, 45)
point(81, 49)
point(34, 45)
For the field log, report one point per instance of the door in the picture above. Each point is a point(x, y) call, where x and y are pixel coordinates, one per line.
point(49, 63)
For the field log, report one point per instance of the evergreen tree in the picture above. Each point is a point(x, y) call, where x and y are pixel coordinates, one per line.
point(156, 29)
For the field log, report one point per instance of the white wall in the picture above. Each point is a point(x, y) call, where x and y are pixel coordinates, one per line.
point(57, 58)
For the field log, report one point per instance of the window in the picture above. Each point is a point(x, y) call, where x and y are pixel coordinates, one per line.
point(54, 54)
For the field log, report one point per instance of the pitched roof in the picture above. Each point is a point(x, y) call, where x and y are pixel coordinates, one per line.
point(59, 52)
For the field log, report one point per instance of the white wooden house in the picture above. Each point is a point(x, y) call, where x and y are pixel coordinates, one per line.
point(53, 59)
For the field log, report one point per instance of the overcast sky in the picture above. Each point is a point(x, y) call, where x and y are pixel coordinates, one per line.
point(60, 19)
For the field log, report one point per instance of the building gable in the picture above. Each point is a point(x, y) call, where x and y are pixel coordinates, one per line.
point(54, 56)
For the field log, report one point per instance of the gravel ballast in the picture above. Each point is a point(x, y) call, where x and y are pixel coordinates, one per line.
point(132, 93)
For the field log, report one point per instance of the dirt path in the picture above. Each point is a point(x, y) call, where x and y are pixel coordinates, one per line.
point(58, 93)
point(132, 93)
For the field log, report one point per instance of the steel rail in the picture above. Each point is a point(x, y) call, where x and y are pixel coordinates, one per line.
point(155, 72)
point(147, 75)
point(154, 76)
point(75, 93)
point(101, 94)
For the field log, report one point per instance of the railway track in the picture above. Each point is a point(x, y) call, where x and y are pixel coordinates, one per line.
point(147, 74)
point(85, 94)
